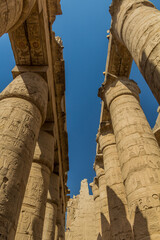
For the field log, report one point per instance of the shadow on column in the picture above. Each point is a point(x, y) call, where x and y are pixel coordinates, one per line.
point(39, 215)
point(105, 228)
point(140, 227)
point(119, 224)
point(99, 237)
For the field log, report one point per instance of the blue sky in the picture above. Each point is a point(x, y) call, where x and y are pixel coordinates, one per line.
point(83, 28)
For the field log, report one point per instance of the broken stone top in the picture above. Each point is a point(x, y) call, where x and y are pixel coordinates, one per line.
point(59, 41)
point(84, 188)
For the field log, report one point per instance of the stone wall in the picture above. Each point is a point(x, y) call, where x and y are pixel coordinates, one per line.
point(81, 223)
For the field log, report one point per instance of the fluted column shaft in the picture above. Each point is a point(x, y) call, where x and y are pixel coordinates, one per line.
point(51, 208)
point(117, 203)
point(139, 156)
point(23, 106)
point(105, 221)
point(32, 214)
point(13, 13)
point(136, 24)
point(96, 195)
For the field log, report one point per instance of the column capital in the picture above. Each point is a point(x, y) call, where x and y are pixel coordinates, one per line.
point(31, 87)
point(95, 188)
point(120, 86)
point(98, 165)
point(105, 136)
point(44, 150)
point(104, 127)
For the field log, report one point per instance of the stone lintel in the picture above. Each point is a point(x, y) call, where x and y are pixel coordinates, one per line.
point(41, 70)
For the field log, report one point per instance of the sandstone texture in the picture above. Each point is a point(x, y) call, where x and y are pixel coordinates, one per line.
point(33, 135)
point(81, 215)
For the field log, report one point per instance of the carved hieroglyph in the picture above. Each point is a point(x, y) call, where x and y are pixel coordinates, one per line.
point(139, 156)
point(13, 13)
point(51, 208)
point(117, 203)
point(105, 220)
point(136, 24)
point(32, 214)
point(23, 105)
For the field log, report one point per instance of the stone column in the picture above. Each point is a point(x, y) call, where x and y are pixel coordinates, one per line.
point(97, 200)
point(32, 214)
point(105, 221)
point(56, 232)
point(139, 156)
point(13, 13)
point(63, 227)
point(23, 106)
point(51, 208)
point(60, 222)
point(136, 24)
point(60, 225)
point(117, 203)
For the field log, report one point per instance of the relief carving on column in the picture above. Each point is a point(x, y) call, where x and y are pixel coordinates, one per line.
point(139, 156)
point(23, 106)
point(34, 203)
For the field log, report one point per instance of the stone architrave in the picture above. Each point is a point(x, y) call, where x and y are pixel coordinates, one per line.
point(32, 214)
point(136, 24)
point(13, 13)
point(97, 200)
point(117, 202)
point(23, 106)
point(51, 208)
point(105, 221)
point(139, 156)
